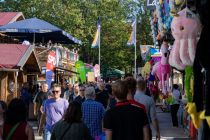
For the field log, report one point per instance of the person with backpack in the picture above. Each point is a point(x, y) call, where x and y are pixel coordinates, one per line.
point(16, 126)
point(71, 127)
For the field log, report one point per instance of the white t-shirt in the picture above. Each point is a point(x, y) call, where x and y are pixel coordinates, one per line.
point(176, 93)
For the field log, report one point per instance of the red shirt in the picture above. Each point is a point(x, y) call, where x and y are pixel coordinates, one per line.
point(19, 133)
point(132, 102)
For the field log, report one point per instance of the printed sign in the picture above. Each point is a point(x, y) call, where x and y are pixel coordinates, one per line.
point(151, 4)
point(91, 77)
point(51, 61)
point(97, 70)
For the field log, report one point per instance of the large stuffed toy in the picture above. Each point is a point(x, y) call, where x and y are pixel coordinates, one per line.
point(146, 69)
point(162, 69)
point(185, 29)
point(200, 108)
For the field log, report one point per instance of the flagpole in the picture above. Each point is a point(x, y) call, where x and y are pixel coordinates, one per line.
point(99, 49)
point(135, 48)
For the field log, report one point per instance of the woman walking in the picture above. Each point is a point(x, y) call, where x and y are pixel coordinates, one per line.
point(71, 127)
point(16, 126)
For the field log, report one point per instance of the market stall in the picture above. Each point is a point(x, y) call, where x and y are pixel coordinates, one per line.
point(47, 38)
point(180, 29)
point(16, 63)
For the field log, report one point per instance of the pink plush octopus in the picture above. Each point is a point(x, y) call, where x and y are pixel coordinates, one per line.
point(185, 28)
point(162, 69)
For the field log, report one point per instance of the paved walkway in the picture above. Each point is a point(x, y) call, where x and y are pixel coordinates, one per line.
point(166, 129)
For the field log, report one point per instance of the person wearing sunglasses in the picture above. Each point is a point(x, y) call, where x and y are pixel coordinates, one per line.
point(81, 97)
point(54, 110)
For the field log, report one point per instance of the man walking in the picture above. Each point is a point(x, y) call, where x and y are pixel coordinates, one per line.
point(149, 104)
point(93, 112)
point(54, 110)
point(81, 97)
point(39, 98)
point(125, 121)
point(75, 93)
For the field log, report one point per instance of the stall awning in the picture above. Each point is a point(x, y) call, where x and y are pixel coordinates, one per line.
point(17, 56)
point(9, 17)
point(113, 73)
point(37, 30)
point(64, 69)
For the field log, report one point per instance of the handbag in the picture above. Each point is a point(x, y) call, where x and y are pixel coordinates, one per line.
point(11, 132)
point(101, 137)
point(65, 132)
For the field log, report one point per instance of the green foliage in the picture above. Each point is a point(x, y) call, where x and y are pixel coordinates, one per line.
point(79, 17)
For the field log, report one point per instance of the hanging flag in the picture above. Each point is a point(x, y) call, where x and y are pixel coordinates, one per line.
point(96, 40)
point(80, 68)
point(51, 62)
point(132, 38)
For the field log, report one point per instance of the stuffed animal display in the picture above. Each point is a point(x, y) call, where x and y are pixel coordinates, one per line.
point(175, 6)
point(185, 29)
point(188, 83)
point(162, 69)
point(146, 69)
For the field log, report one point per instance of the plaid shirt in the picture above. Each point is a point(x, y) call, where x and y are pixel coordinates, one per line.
point(93, 113)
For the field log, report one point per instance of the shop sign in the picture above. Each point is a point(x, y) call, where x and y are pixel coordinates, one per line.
point(97, 70)
point(51, 62)
point(151, 4)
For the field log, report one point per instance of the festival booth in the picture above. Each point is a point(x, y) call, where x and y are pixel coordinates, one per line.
point(6, 18)
point(48, 39)
point(16, 63)
point(180, 28)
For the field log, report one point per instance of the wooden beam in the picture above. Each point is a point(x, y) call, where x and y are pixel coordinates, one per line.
point(3, 82)
point(6, 86)
point(15, 79)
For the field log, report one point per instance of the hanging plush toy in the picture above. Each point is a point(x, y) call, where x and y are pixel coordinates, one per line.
point(187, 85)
point(146, 69)
point(185, 29)
point(175, 6)
point(162, 69)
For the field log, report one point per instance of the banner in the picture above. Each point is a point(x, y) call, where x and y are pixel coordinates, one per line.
point(97, 70)
point(132, 38)
point(91, 77)
point(145, 50)
point(151, 4)
point(80, 68)
point(96, 40)
point(51, 62)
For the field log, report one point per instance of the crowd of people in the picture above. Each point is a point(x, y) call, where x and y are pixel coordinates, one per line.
point(111, 111)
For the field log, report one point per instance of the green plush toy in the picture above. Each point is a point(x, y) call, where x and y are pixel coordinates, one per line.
point(188, 87)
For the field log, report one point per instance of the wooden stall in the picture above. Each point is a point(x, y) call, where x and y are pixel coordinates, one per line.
point(16, 63)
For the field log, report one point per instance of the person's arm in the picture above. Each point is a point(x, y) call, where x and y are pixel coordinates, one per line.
point(86, 132)
point(154, 119)
point(29, 132)
point(108, 134)
point(146, 132)
point(108, 125)
point(41, 124)
point(35, 108)
point(42, 109)
point(1, 132)
point(53, 136)
point(35, 104)
point(155, 124)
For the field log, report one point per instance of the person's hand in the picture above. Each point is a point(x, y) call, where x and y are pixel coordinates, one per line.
point(40, 132)
point(35, 114)
point(158, 136)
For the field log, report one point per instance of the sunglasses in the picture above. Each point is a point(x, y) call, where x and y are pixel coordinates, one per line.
point(82, 90)
point(54, 91)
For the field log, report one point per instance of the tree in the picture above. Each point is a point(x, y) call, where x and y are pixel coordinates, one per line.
point(79, 18)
